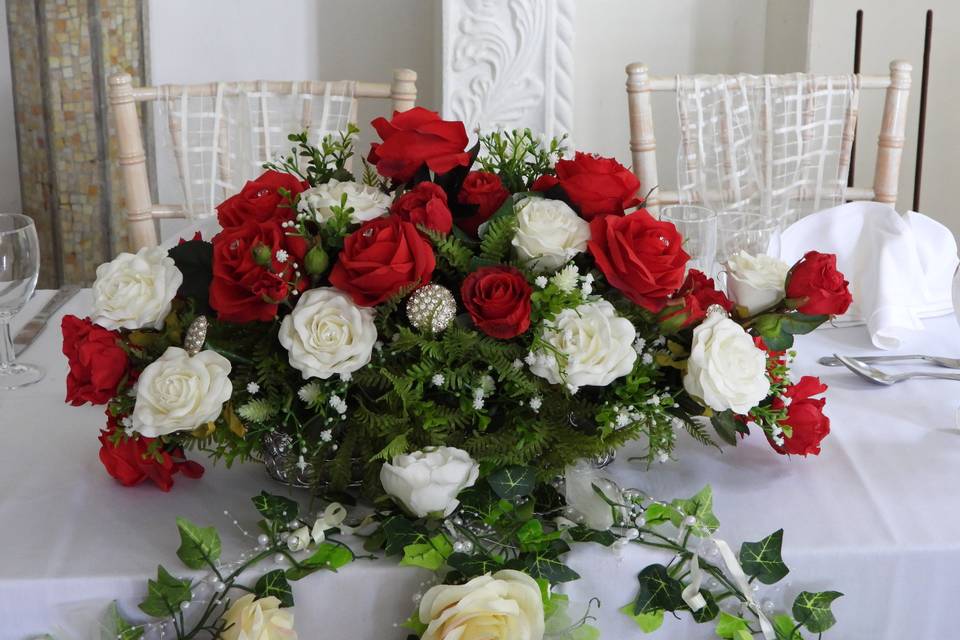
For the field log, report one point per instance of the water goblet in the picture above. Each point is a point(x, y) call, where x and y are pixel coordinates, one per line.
point(748, 231)
point(19, 268)
point(698, 227)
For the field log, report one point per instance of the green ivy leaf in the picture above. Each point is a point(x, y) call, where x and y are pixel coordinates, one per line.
point(709, 611)
point(763, 560)
point(274, 583)
point(657, 591)
point(429, 555)
point(732, 627)
point(276, 508)
point(785, 628)
point(700, 507)
point(648, 622)
point(199, 546)
point(813, 610)
point(475, 565)
point(658, 513)
point(586, 534)
point(511, 483)
point(327, 556)
point(544, 565)
point(165, 594)
point(533, 538)
point(118, 627)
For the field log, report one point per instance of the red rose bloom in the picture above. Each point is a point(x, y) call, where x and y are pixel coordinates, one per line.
point(130, 464)
point(544, 183)
point(380, 258)
point(689, 305)
point(414, 138)
point(484, 190)
point(498, 301)
point(260, 199)
point(815, 287)
point(804, 416)
point(596, 186)
point(640, 256)
point(248, 279)
point(425, 204)
point(97, 362)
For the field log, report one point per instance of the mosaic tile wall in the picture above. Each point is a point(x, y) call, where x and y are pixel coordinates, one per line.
point(63, 51)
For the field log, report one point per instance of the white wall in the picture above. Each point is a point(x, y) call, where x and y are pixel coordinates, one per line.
point(9, 170)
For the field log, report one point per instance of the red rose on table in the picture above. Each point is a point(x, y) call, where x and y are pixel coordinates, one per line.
point(425, 204)
point(97, 362)
point(260, 200)
point(689, 305)
point(484, 190)
point(498, 301)
point(595, 185)
point(381, 258)
point(815, 287)
point(130, 464)
point(804, 417)
point(249, 277)
point(414, 138)
point(640, 256)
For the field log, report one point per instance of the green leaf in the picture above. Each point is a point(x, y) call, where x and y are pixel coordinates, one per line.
point(274, 583)
point(658, 513)
point(813, 610)
point(199, 546)
point(546, 566)
point(657, 591)
point(648, 622)
point(763, 560)
point(586, 534)
point(700, 507)
point(709, 611)
point(118, 627)
point(327, 556)
point(729, 626)
point(399, 533)
point(727, 426)
point(413, 623)
point(513, 482)
point(429, 555)
point(784, 626)
point(801, 323)
point(165, 594)
point(472, 566)
point(276, 508)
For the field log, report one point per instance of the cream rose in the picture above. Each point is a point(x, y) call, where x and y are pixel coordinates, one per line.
point(548, 233)
point(367, 202)
point(597, 344)
point(178, 392)
point(502, 606)
point(250, 618)
point(327, 334)
point(725, 369)
point(756, 282)
point(135, 291)
point(428, 482)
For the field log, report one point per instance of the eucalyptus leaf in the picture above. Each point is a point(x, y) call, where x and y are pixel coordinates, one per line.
point(763, 559)
point(199, 546)
point(813, 610)
point(274, 583)
point(165, 594)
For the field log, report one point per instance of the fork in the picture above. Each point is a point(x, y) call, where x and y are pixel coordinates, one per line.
point(950, 363)
point(881, 377)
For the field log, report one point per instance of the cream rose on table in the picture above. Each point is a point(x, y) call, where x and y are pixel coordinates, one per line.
point(725, 368)
point(503, 606)
point(429, 481)
point(548, 233)
point(135, 291)
point(756, 282)
point(250, 618)
point(367, 202)
point(327, 334)
point(179, 392)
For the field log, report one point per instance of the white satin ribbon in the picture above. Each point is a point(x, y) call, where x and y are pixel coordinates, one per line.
point(691, 592)
point(333, 516)
point(740, 578)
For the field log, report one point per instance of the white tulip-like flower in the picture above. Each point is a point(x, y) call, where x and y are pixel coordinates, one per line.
point(503, 606)
point(579, 482)
point(178, 392)
point(250, 618)
point(549, 233)
point(367, 202)
point(135, 291)
point(429, 481)
point(756, 282)
point(726, 369)
point(597, 346)
point(298, 540)
point(327, 334)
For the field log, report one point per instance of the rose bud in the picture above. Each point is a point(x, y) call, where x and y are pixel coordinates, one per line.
point(316, 261)
point(262, 255)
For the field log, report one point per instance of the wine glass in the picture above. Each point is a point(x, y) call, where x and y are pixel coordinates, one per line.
point(747, 231)
point(698, 227)
point(19, 268)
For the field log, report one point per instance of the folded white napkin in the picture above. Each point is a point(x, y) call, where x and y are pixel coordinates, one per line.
point(900, 268)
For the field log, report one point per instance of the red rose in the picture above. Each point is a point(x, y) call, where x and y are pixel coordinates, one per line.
point(260, 199)
point(97, 361)
point(484, 190)
point(640, 256)
point(130, 464)
point(815, 287)
point(425, 204)
point(380, 258)
point(498, 301)
point(414, 138)
point(544, 183)
point(249, 279)
point(689, 305)
point(596, 185)
point(809, 426)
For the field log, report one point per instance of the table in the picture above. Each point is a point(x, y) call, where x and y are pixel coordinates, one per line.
point(875, 516)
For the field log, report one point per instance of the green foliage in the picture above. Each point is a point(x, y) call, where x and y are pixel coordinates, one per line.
point(165, 594)
point(328, 556)
point(276, 508)
point(733, 627)
point(498, 236)
point(518, 157)
point(429, 555)
point(763, 560)
point(325, 162)
point(659, 591)
point(513, 482)
point(118, 627)
point(700, 507)
point(812, 610)
point(778, 329)
point(451, 250)
point(648, 621)
point(274, 583)
point(728, 427)
point(199, 546)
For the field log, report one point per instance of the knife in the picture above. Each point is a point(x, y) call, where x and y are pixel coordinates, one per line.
point(36, 324)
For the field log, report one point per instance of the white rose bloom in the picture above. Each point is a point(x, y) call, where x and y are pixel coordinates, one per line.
point(327, 334)
point(548, 233)
point(135, 291)
point(726, 369)
point(367, 202)
point(429, 481)
point(579, 481)
point(503, 606)
point(263, 619)
point(178, 392)
point(598, 346)
point(756, 282)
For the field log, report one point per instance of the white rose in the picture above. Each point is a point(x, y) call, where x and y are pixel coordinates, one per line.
point(327, 334)
point(756, 282)
point(263, 619)
point(367, 202)
point(579, 482)
point(598, 346)
point(429, 481)
point(135, 291)
point(177, 392)
point(548, 233)
point(503, 606)
point(726, 369)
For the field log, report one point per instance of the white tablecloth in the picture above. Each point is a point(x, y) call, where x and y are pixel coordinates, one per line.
point(875, 516)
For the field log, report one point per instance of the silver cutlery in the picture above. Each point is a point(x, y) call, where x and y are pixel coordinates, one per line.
point(950, 363)
point(881, 377)
point(35, 326)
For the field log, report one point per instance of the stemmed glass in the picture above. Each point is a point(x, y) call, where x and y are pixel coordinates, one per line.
point(19, 268)
point(698, 227)
point(748, 231)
